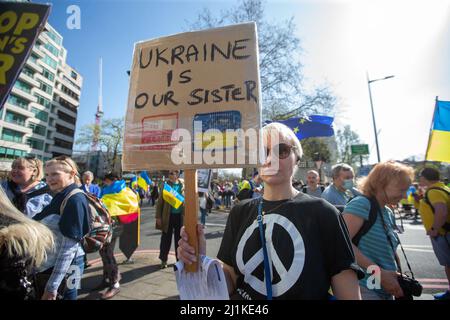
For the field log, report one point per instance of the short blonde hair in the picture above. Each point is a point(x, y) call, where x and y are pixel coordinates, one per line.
point(285, 133)
point(34, 163)
point(382, 174)
point(68, 164)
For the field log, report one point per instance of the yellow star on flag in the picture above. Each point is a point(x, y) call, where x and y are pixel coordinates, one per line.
point(295, 130)
point(302, 120)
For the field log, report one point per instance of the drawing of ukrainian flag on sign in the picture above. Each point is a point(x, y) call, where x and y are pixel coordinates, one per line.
point(213, 133)
point(172, 196)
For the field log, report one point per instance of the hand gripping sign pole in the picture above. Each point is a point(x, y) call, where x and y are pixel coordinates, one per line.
point(191, 212)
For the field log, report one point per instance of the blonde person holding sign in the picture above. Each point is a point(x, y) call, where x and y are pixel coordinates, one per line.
point(306, 238)
point(168, 218)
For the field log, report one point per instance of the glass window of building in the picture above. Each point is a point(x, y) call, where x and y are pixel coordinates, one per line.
point(35, 143)
point(12, 135)
point(28, 72)
point(49, 75)
point(40, 114)
point(23, 86)
point(37, 128)
point(43, 101)
point(18, 101)
point(45, 87)
point(52, 49)
point(52, 35)
point(9, 153)
point(15, 118)
point(50, 62)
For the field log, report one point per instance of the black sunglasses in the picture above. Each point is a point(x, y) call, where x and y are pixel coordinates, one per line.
point(281, 151)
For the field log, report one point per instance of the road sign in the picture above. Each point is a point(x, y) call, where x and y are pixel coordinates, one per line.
point(360, 149)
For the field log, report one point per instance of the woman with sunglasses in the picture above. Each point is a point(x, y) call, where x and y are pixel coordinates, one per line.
point(300, 248)
point(24, 187)
point(169, 219)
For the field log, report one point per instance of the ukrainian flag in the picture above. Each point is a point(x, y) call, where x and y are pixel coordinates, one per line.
point(133, 183)
point(171, 196)
point(123, 203)
point(439, 140)
point(144, 180)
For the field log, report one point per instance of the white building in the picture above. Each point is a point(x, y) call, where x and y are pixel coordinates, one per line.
point(40, 114)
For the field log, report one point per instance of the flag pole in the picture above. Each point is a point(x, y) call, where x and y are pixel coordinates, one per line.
point(431, 129)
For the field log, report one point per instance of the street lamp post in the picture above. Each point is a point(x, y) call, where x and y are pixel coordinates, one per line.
point(373, 114)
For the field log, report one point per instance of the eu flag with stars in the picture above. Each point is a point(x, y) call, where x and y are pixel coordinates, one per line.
point(311, 126)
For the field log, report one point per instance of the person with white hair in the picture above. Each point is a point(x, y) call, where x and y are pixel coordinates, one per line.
point(310, 250)
point(342, 189)
point(87, 186)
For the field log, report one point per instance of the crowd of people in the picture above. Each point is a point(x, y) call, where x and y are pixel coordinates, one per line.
point(42, 228)
point(348, 230)
point(338, 235)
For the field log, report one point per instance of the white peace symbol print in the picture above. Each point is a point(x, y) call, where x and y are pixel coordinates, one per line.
point(288, 277)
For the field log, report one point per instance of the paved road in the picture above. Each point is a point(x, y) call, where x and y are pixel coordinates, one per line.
point(416, 244)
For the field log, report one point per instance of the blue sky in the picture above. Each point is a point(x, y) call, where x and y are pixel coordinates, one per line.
point(341, 40)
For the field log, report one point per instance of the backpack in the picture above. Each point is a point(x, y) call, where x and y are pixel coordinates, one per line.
point(446, 225)
point(367, 225)
point(100, 223)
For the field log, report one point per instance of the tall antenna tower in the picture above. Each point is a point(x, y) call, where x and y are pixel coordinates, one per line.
point(99, 113)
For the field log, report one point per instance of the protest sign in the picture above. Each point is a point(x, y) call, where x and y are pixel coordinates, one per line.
point(194, 101)
point(20, 25)
point(204, 179)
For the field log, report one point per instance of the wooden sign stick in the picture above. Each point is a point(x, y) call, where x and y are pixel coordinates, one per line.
point(191, 212)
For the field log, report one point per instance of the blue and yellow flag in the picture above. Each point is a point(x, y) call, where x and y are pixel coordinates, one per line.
point(439, 140)
point(172, 197)
point(123, 203)
point(144, 180)
point(133, 183)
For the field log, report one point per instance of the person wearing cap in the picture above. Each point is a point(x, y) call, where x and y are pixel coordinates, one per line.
point(434, 209)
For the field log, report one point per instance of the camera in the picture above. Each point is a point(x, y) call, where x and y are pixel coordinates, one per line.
point(410, 286)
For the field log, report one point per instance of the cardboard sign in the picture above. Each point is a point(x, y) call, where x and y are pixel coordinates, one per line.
point(194, 101)
point(20, 25)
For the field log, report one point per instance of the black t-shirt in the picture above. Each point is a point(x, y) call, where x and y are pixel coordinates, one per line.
point(307, 241)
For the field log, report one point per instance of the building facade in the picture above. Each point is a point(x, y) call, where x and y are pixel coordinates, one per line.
point(39, 116)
